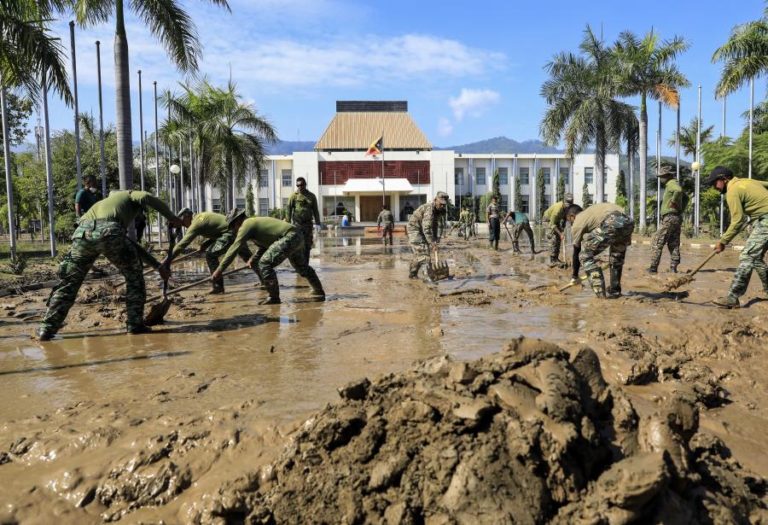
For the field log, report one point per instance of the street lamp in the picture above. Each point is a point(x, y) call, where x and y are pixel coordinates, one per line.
point(175, 170)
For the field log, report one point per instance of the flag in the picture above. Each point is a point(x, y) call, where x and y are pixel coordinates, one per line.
point(376, 146)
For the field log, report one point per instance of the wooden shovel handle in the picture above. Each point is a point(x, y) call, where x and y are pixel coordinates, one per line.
point(118, 285)
point(196, 283)
point(705, 261)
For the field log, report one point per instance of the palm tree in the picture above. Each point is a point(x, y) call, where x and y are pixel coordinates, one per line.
point(646, 67)
point(631, 136)
point(744, 55)
point(688, 136)
point(582, 108)
point(170, 24)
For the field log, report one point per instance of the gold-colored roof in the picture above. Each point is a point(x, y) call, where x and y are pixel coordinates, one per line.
point(350, 130)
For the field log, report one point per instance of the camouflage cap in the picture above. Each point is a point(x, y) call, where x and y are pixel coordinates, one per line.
point(442, 196)
point(235, 214)
point(666, 171)
point(719, 172)
point(568, 197)
point(183, 212)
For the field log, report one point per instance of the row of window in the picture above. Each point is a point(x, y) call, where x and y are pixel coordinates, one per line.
point(523, 172)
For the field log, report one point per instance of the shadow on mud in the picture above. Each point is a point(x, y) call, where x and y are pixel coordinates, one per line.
point(50, 368)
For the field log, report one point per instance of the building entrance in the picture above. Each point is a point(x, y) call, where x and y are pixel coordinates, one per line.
point(370, 206)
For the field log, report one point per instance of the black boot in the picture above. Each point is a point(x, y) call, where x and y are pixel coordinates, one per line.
point(673, 268)
point(317, 288)
point(273, 288)
point(597, 281)
point(516, 247)
point(413, 271)
point(615, 289)
point(652, 269)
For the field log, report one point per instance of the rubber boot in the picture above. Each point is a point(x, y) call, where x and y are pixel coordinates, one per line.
point(673, 268)
point(516, 247)
point(553, 262)
point(496, 245)
point(413, 271)
point(218, 287)
point(727, 302)
point(317, 288)
point(597, 281)
point(273, 288)
point(652, 270)
point(614, 290)
point(44, 334)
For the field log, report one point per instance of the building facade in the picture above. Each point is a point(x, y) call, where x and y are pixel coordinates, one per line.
point(407, 171)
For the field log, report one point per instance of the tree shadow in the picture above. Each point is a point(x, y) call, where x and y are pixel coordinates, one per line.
point(97, 362)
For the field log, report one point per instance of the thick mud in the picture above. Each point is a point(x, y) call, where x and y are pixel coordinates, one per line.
point(201, 421)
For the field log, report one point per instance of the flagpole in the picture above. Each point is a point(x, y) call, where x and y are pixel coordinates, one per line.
point(102, 155)
point(78, 166)
point(383, 182)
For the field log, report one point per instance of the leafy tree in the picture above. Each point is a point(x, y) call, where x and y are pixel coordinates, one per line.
point(560, 187)
point(621, 190)
point(735, 155)
point(541, 205)
point(586, 198)
point(496, 185)
point(249, 208)
point(518, 199)
point(646, 67)
point(744, 55)
point(19, 111)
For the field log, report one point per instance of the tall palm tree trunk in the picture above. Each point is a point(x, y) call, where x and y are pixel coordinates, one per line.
point(631, 192)
point(600, 148)
point(643, 132)
point(123, 101)
point(8, 181)
point(230, 183)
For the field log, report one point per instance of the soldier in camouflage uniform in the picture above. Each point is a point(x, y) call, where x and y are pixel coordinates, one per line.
point(746, 198)
point(102, 231)
point(600, 226)
point(463, 225)
point(276, 241)
point(219, 233)
point(671, 220)
point(424, 228)
point(302, 208)
point(388, 219)
point(555, 214)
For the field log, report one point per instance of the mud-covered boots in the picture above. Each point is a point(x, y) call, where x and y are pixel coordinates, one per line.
point(413, 271)
point(273, 288)
point(318, 293)
point(653, 270)
point(597, 281)
point(728, 302)
point(218, 287)
point(614, 290)
point(516, 247)
point(554, 262)
point(673, 268)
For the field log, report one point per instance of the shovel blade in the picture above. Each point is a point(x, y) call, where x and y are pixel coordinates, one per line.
point(156, 314)
point(438, 272)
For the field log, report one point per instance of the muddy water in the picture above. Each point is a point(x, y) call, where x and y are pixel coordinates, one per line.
point(286, 361)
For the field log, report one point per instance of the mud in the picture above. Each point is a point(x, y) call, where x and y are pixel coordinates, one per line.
point(191, 423)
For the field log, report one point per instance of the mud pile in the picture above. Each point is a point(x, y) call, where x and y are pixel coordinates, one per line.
point(528, 435)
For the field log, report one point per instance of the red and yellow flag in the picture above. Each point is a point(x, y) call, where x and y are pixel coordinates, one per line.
point(376, 146)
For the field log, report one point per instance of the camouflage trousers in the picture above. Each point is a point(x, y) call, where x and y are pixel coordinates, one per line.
point(90, 240)
point(554, 243)
point(290, 246)
point(615, 233)
point(517, 230)
point(752, 258)
point(387, 232)
point(307, 233)
point(219, 248)
point(667, 235)
point(420, 248)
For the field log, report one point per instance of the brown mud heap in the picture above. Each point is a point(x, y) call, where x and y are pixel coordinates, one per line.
point(528, 435)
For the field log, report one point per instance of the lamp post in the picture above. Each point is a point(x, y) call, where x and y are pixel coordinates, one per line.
point(175, 170)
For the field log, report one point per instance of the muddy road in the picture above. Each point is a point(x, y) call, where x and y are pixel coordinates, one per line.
point(97, 425)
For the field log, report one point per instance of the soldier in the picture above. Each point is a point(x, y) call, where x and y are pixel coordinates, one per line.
point(745, 198)
point(472, 223)
point(218, 231)
point(672, 207)
point(302, 208)
point(424, 228)
point(102, 231)
point(520, 223)
point(463, 223)
point(86, 197)
point(386, 217)
point(494, 223)
point(276, 241)
point(600, 226)
point(555, 214)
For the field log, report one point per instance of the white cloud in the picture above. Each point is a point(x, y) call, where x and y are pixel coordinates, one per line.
point(472, 102)
point(444, 127)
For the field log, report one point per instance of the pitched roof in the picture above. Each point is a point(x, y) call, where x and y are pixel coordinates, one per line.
point(356, 130)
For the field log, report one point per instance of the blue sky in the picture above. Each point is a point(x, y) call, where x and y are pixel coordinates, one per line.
point(469, 70)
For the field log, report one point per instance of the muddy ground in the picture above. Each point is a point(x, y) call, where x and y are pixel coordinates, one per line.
point(201, 420)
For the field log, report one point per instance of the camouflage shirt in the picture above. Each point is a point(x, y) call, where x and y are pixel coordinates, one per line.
point(302, 208)
point(262, 231)
point(386, 217)
point(429, 221)
point(123, 207)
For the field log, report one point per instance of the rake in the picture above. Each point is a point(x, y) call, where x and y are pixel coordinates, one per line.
point(439, 270)
point(685, 279)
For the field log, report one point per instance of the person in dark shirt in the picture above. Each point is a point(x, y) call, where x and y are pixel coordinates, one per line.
point(87, 197)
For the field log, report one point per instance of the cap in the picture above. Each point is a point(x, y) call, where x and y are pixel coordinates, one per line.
point(233, 215)
point(183, 212)
point(441, 195)
point(666, 171)
point(719, 172)
point(568, 197)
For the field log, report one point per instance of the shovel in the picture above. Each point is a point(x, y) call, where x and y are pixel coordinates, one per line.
point(439, 270)
point(685, 279)
point(118, 285)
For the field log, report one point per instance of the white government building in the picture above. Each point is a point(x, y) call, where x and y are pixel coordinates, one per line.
point(340, 171)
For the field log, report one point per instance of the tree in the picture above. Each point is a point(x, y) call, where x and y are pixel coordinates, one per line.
point(744, 55)
point(496, 185)
point(560, 187)
point(170, 24)
point(735, 155)
point(249, 209)
point(631, 136)
point(586, 198)
point(19, 109)
point(541, 205)
point(621, 190)
point(582, 108)
point(688, 137)
point(517, 197)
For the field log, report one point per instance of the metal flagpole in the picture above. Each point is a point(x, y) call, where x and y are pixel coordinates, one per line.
point(658, 171)
point(157, 165)
point(677, 144)
point(182, 193)
point(169, 180)
point(751, 120)
point(697, 189)
point(102, 156)
point(77, 110)
point(7, 159)
point(141, 133)
point(383, 183)
point(192, 181)
point(48, 168)
point(722, 197)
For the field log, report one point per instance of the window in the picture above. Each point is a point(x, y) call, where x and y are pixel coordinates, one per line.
point(504, 204)
point(547, 201)
point(589, 175)
point(564, 174)
point(287, 178)
point(524, 203)
point(216, 205)
point(263, 178)
point(240, 204)
point(263, 207)
point(458, 175)
point(480, 176)
point(525, 176)
point(503, 176)
point(547, 176)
